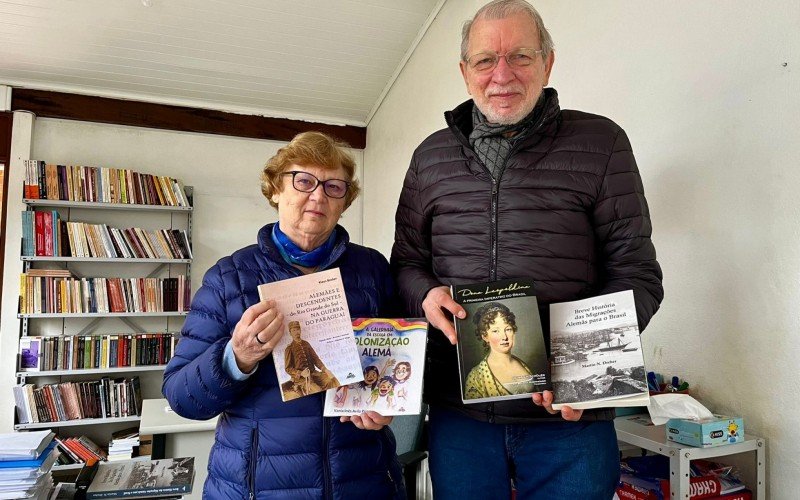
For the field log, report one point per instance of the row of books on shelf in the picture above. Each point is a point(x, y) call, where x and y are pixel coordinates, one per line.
point(45, 234)
point(104, 398)
point(78, 450)
point(100, 184)
point(71, 352)
point(61, 294)
point(124, 445)
point(645, 478)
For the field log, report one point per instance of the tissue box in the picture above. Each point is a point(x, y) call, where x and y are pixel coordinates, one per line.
point(706, 432)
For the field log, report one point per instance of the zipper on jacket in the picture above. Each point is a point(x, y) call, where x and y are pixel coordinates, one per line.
point(493, 231)
point(253, 459)
point(490, 413)
point(326, 458)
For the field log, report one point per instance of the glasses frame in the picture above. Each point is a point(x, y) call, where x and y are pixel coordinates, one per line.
point(497, 59)
point(319, 182)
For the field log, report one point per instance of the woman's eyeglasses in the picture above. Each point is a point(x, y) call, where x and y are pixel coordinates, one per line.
point(307, 183)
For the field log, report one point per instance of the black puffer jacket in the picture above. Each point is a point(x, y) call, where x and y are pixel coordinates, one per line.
point(568, 211)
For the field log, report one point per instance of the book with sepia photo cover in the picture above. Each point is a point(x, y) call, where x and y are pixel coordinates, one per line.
point(318, 350)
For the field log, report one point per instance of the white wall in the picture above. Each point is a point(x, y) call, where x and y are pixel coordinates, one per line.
point(708, 93)
point(224, 171)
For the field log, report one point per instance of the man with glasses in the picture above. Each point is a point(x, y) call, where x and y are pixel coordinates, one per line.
point(516, 187)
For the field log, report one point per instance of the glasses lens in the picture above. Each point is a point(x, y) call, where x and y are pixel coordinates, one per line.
point(335, 188)
point(483, 61)
point(521, 57)
point(303, 181)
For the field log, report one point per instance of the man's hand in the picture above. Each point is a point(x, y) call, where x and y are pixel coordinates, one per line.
point(437, 299)
point(546, 399)
point(369, 420)
point(256, 334)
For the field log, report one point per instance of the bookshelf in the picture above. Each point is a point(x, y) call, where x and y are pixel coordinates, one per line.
point(82, 303)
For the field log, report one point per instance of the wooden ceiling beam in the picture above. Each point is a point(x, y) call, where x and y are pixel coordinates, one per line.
point(45, 103)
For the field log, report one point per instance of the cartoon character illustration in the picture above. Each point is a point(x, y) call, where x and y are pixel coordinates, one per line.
point(401, 375)
point(383, 395)
point(340, 397)
point(733, 431)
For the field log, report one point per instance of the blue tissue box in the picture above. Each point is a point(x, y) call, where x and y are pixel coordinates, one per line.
point(706, 432)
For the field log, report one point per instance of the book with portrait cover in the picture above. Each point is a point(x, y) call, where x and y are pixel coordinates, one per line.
point(597, 357)
point(501, 348)
point(142, 479)
point(392, 360)
point(318, 350)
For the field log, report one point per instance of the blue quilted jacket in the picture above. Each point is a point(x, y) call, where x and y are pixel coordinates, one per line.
point(265, 448)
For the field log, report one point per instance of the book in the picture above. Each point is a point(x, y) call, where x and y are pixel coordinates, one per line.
point(142, 478)
point(24, 446)
point(317, 350)
point(596, 353)
point(501, 348)
point(392, 361)
point(29, 355)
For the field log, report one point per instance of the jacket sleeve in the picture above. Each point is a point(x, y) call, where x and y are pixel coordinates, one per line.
point(196, 383)
point(411, 254)
point(622, 227)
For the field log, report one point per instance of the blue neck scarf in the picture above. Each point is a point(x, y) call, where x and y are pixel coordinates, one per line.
point(293, 254)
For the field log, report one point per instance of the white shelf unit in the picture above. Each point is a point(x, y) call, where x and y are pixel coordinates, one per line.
point(118, 260)
point(105, 206)
point(103, 315)
point(93, 371)
point(73, 423)
point(103, 268)
point(639, 431)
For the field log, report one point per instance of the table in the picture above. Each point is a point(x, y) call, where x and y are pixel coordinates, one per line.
point(175, 436)
point(639, 430)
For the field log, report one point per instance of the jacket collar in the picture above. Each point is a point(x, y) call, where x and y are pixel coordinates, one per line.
point(267, 246)
point(459, 120)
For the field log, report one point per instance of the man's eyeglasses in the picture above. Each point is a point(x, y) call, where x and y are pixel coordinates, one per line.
point(517, 58)
point(307, 183)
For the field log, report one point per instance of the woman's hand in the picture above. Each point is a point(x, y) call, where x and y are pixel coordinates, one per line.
point(546, 399)
point(256, 334)
point(369, 420)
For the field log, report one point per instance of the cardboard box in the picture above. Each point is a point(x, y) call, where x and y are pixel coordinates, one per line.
point(706, 432)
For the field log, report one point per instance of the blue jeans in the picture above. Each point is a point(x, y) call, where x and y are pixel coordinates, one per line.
point(548, 460)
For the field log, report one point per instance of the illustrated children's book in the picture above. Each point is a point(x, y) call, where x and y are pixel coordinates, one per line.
point(142, 478)
point(501, 349)
point(596, 353)
point(392, 358)
point(318, 350)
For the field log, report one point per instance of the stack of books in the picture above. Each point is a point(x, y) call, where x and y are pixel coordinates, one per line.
point(122, 444)
point(644, 478)
point(25, 462)
point(78, 450)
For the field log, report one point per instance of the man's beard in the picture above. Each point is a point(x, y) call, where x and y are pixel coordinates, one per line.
point(505, 119)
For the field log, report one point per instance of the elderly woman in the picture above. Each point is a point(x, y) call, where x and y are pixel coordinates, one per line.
point(499, 373)
point(266, 448)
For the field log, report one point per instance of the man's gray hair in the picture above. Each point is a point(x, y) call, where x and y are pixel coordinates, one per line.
point(501, 9)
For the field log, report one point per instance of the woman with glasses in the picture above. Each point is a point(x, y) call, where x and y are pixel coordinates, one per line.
point(266, 448)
